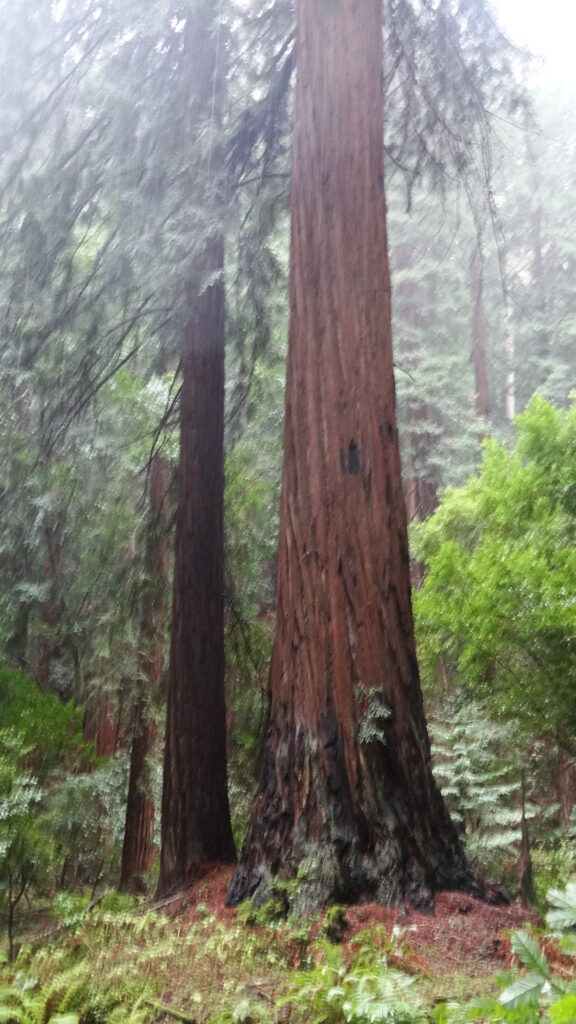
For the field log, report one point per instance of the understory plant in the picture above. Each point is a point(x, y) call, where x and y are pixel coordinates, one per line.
point(540, 994)
point(484, 775)
point(368, 990)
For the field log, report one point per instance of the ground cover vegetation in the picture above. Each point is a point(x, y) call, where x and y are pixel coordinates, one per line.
point(207, 644)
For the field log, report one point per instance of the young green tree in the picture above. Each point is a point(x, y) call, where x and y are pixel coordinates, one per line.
point(496, 606)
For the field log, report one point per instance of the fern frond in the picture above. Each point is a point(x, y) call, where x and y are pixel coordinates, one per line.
point(529, 952)
point(523, 992)
point(563, 916)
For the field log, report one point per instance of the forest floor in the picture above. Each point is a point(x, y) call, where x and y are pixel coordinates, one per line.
point(456, 952)
point(463, 934)
point(193, 959)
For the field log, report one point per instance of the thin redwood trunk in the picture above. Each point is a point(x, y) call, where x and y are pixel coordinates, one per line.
point(139, 850)
point(196, 826)
point(346, 795)
point(481, 394)
point(566, 784)
point(538, 270)
point(421, 493)
point(44, 652)
point(101, 723)
point(421, 498)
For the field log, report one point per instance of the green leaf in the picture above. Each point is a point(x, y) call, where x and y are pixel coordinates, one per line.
point(524, 992)
point(564, 903)
point(529, 952)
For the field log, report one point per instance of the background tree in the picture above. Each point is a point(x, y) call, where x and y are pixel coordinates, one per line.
point(139, 849)
point(196, 828)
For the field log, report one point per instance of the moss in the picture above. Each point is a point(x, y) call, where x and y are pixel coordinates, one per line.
point(335, 924)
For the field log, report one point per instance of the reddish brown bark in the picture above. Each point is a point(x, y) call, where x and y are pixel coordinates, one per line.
point(196, 826)
point(346, 793)
point(101, 723)
point(138, 851)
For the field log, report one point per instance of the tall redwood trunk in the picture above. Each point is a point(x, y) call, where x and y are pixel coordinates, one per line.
point(138, 850)
point(347, 794)
point(196, 826)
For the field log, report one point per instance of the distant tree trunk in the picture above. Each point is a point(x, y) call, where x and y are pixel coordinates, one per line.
point(526, 870)
point(421, 492)
point(421, 502)
point(481, 396)
point(510, 349)
point(346, 791)
point(48, 619)
point(101, 722)
point(138, 850)
point(17, 642)
point(566, 777)
point(538, 271)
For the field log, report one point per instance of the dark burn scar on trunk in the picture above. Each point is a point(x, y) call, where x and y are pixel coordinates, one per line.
point(351, 464)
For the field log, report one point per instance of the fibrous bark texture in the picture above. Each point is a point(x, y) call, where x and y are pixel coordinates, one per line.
point(138, 850)
point(101, 723)
point(196, 826)
point(347, 796)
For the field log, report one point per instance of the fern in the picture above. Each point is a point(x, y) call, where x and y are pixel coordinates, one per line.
point(20, 1006)
point(563, 914)
point(539, 985)
point(529, 952)
point(479, 780)
point(523, 992)
point(368, 992)
point(385, 995)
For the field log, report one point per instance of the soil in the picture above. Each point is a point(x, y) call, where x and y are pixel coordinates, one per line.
point(463, 934)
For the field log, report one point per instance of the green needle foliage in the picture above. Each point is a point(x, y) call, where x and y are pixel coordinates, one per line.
point(479, 765)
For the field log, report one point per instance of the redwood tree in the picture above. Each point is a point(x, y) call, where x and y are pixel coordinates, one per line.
point(481, 394)
point(346, 793)
point(196, 829)
point(138, 850)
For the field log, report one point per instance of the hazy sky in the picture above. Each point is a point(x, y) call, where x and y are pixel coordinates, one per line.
point(546, 27)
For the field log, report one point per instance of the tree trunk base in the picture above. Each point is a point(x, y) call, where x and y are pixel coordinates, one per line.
point(398, 849)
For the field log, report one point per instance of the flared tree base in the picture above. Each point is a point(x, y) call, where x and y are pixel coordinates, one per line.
point(395, 845)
